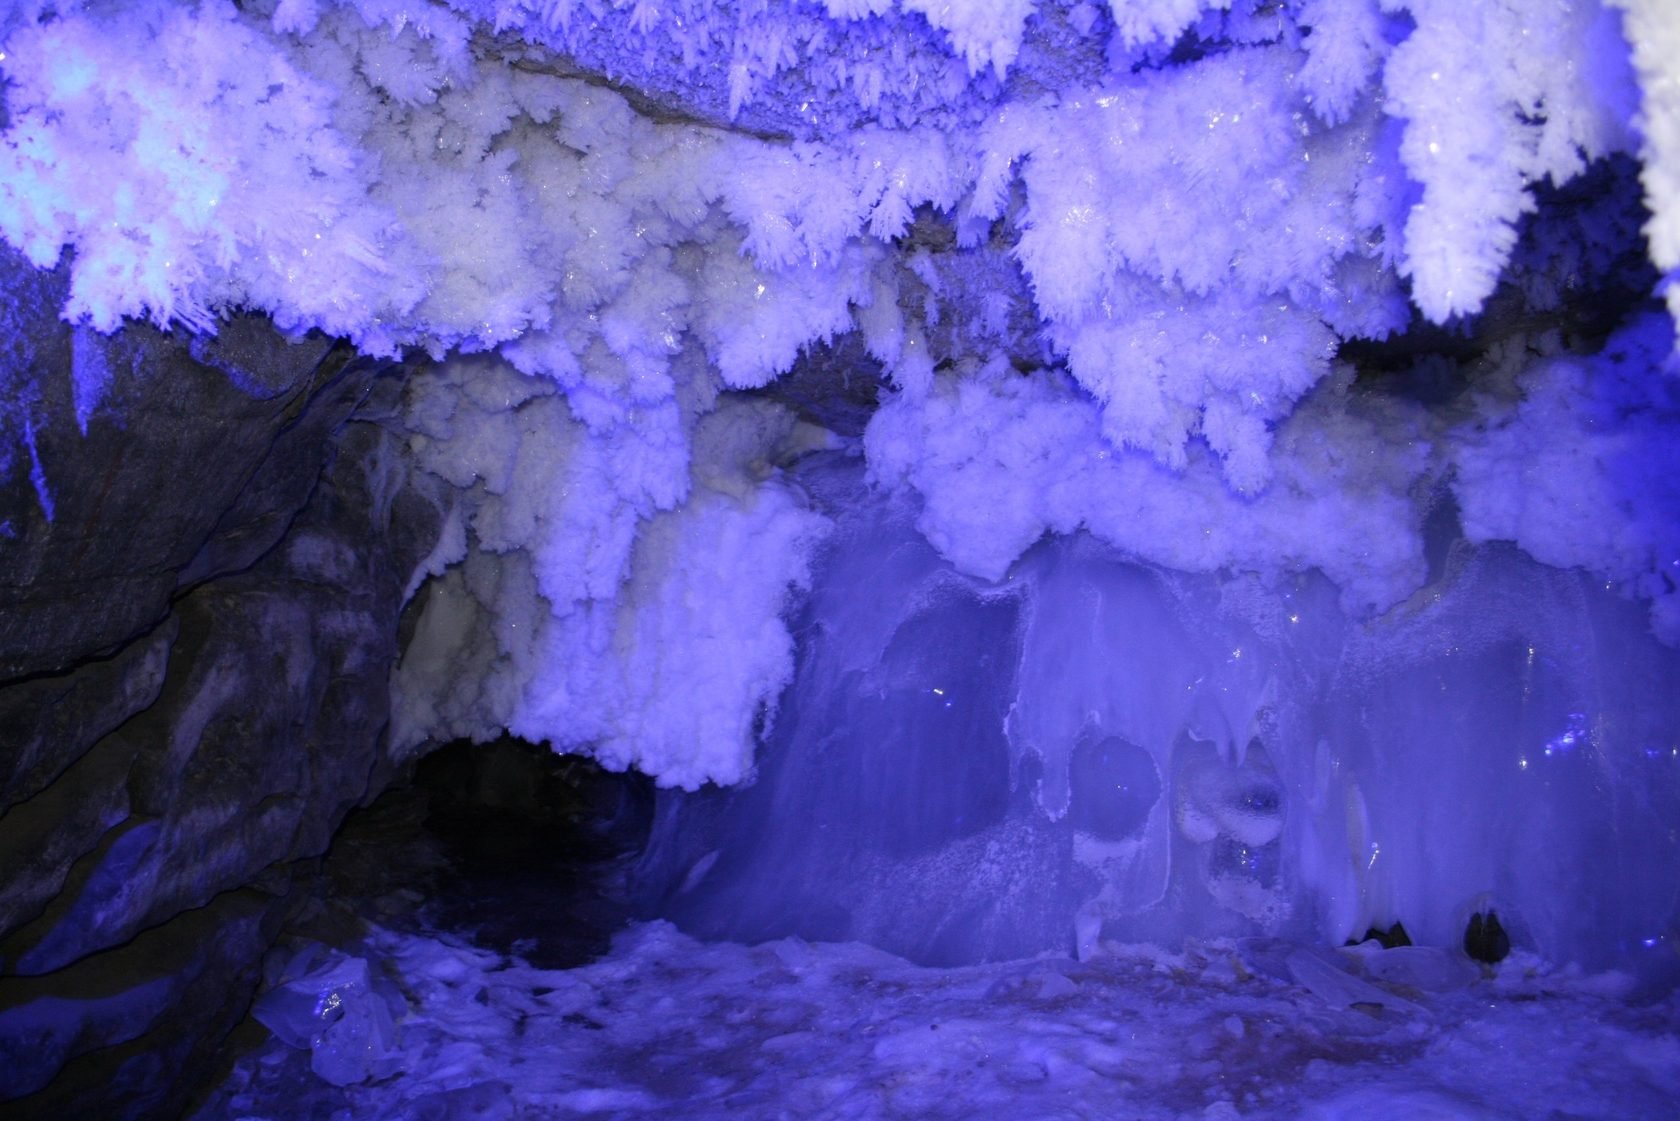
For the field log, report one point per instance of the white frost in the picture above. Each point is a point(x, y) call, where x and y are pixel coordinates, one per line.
point(1197, 234)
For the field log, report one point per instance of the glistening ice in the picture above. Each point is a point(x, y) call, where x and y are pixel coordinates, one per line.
point(1084, 510)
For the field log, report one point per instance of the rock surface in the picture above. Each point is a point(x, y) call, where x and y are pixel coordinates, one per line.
point(151, 461)
point(199, 609)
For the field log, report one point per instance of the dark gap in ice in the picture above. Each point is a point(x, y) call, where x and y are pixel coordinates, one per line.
point(1578, 267)
point(1389, 938)
point(835, 384)
point(1442, 529)
point(1485, 938)
point(1113, 784)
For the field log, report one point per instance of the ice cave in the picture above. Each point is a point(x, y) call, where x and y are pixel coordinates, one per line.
point(839, 559)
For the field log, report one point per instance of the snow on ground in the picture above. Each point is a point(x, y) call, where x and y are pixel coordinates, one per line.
point(665, 1026)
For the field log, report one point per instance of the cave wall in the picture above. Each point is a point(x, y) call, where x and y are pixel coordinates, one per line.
point(198, 616)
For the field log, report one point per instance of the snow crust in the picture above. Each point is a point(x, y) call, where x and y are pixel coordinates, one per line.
point(1000, 460)
point(1205, 202)
point(1223, 1030)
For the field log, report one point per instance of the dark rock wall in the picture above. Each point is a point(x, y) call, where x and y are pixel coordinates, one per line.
point(195, 650)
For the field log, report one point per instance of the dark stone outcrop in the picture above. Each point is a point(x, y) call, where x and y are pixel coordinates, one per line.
point(48, 722)
point(139, 462)
point(199, 606)
point(108, 1038)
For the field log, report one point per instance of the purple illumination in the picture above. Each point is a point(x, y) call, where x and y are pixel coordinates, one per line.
point(1140, 541)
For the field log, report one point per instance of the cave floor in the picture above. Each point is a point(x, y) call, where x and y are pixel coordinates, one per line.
point(664, 1026)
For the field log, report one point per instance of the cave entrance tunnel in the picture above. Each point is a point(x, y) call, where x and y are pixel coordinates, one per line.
point(504, 843)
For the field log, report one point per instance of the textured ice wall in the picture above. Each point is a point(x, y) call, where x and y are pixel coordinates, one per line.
point(1095, 748)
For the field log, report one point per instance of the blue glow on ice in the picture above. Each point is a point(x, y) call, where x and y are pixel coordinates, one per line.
point(1171, 756)
point(1574, 735)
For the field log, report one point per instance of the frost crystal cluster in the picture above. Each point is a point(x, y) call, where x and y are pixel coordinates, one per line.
point(1118, 268)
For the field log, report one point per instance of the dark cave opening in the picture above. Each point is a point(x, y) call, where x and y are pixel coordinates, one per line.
point(1578, 271)
point(504, 847)
point(505, 844)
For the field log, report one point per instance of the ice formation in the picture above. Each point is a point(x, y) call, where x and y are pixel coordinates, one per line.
point(1128, 272)
point(1097, 748)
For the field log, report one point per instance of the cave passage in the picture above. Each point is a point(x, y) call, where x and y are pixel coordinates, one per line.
point(505, 844)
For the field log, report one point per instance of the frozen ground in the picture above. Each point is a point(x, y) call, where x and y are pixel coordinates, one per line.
point(426, 1027)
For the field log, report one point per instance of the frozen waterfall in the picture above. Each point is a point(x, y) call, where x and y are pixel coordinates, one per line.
point(1095, 749)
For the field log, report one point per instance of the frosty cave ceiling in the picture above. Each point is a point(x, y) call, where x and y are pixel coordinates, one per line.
point(1104, 259)
point(1277, 299)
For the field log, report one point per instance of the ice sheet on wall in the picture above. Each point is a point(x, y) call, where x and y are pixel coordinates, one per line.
point(1092, 748)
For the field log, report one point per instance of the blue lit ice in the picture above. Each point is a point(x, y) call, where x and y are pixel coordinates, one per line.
point(1092, 748)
